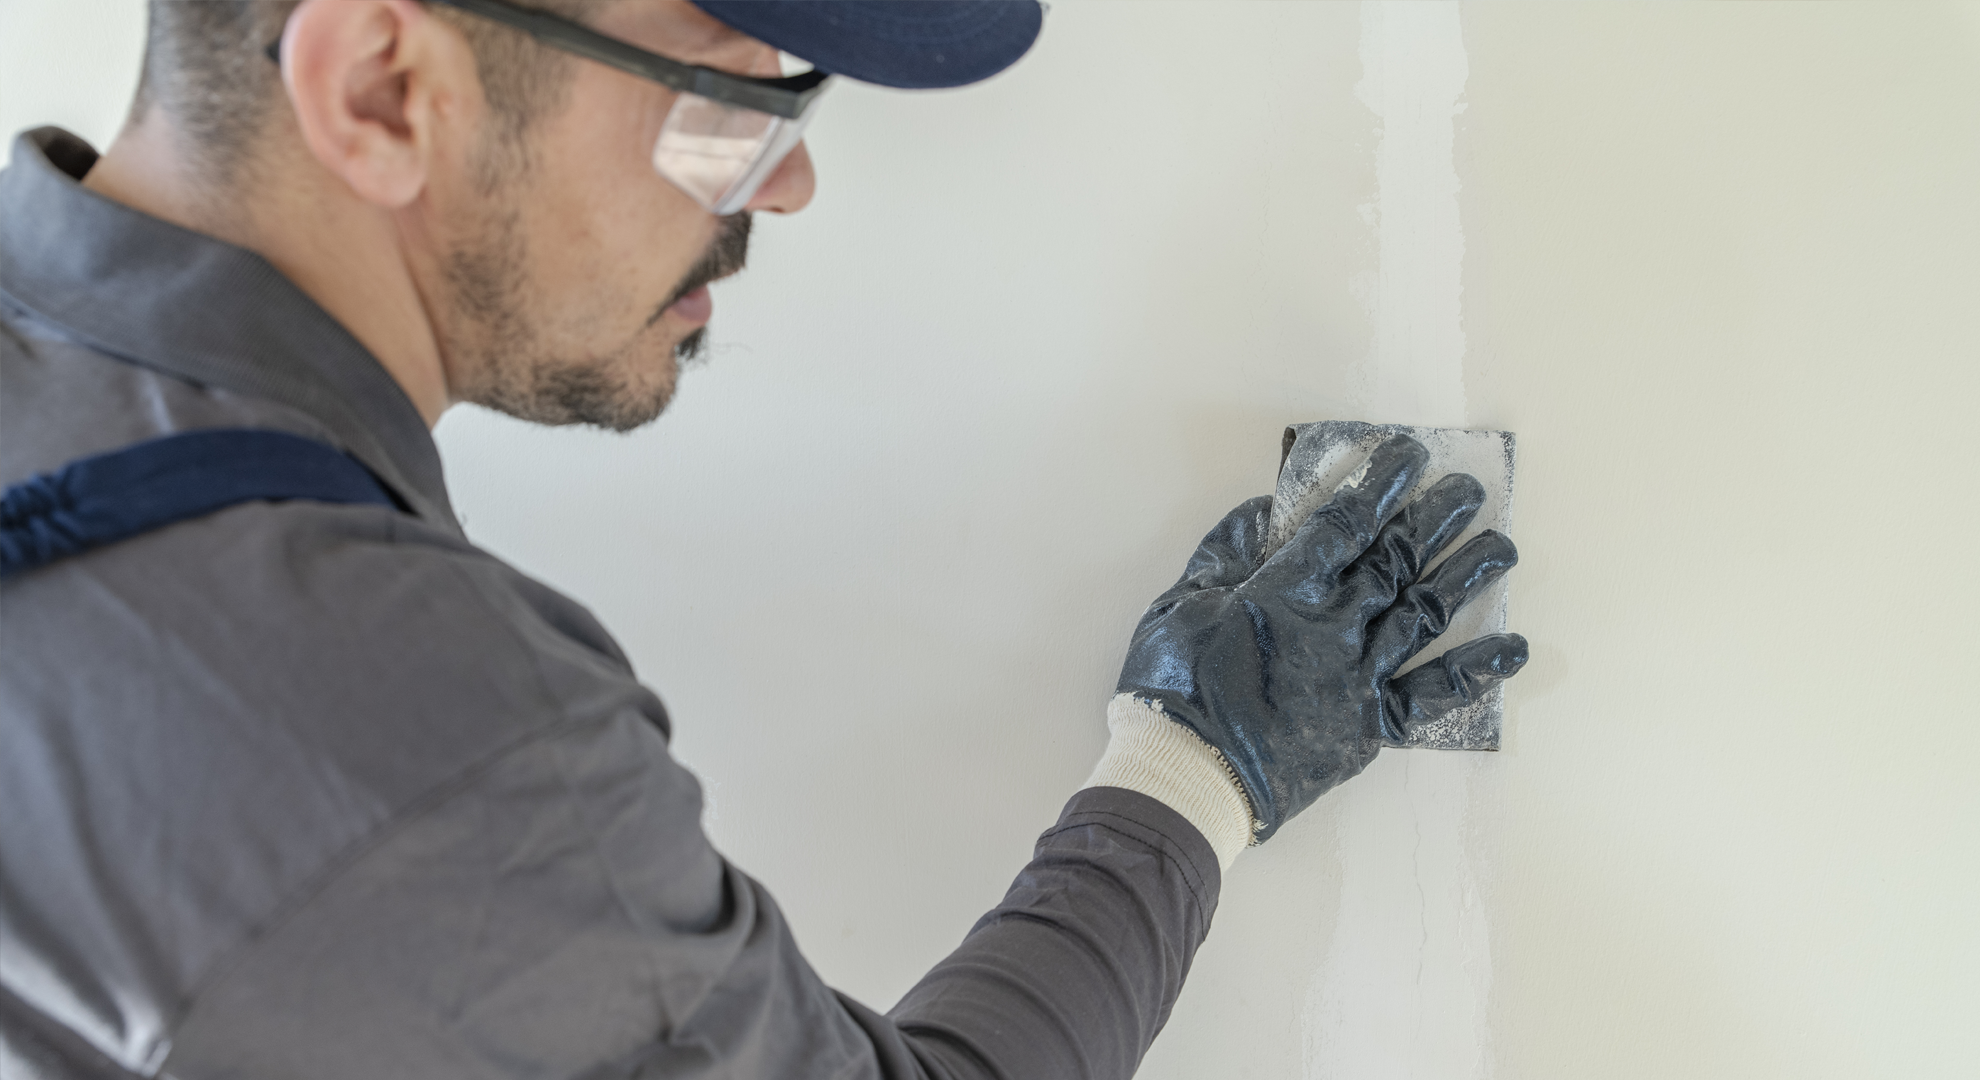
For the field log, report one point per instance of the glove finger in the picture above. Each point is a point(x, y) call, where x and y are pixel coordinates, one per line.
point(1426, 608)
point(1231, 551)
point(1449, 682)
point(1336, 533)
point(1406, 544)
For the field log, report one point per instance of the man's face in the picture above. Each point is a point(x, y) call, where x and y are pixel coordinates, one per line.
point(573, 277)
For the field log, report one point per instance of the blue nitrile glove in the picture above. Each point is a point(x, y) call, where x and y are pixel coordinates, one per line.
point(1287, 666)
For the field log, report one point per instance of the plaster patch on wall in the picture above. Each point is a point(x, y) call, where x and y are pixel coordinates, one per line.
point(1413, 74)
point(1404, 987)
point(710, 787)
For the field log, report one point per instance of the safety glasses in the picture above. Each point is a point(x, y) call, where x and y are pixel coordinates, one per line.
point(725, 135)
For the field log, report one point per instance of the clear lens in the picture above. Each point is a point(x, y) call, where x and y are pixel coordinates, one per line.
point(720, 154)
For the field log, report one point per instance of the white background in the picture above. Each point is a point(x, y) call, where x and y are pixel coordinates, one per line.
point(1717, 265)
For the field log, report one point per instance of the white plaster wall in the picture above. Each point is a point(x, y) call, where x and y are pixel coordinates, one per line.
point(1717, 265)
point(1723, 276)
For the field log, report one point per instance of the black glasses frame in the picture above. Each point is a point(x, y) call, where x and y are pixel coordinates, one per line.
point(787, 97)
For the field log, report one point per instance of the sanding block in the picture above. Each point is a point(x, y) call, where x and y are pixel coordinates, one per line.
point(1317, 458)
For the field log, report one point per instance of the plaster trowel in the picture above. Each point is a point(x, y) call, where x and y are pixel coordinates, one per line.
point(1318, 458)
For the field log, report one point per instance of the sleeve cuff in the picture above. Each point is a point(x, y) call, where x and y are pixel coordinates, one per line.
point(1160, 758)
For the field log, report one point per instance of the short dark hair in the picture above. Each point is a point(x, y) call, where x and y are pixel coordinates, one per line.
point(205, 63)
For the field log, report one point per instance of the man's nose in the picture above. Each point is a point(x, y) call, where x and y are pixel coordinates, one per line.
point(789, 188)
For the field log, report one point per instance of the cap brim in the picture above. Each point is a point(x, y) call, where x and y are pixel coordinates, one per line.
point(911, 44)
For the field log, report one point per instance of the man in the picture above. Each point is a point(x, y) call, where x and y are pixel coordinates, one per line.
point(295, 781)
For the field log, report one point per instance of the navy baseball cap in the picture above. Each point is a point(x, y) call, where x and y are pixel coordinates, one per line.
point(911, 44)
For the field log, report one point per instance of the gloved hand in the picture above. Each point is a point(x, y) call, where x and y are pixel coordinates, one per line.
point(1287, 665)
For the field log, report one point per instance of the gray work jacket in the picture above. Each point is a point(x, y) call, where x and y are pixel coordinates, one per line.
point(304, 790)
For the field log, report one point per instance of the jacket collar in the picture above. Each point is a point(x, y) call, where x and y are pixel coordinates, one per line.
point(151, 293)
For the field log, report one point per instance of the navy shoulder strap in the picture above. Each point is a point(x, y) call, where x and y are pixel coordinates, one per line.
point(110, 497)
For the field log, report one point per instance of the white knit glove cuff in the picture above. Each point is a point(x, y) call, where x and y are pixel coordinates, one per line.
point(1162, 759)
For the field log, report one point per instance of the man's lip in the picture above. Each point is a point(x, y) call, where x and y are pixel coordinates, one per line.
point(694, 307)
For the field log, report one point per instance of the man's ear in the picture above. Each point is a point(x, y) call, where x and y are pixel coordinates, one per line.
point(377, 86)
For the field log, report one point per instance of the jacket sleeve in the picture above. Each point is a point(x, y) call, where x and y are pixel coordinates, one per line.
point(1073, 974)
point(561, 914)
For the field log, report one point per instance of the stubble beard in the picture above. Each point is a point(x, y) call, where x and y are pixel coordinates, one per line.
point(619, 390)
